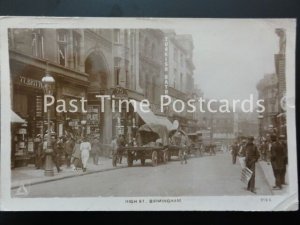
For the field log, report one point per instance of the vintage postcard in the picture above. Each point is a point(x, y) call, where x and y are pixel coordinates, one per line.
point(148, 114)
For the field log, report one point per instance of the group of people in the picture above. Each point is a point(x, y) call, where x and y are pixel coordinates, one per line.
point(73, 151)
point(275, 151)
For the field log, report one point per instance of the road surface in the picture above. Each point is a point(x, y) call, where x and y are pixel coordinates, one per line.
point(204, 176)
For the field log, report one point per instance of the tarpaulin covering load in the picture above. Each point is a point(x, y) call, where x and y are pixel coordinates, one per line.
point(149, 117)
point(160, 130)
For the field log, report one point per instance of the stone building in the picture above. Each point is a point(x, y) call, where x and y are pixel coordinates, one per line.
point(120, 63)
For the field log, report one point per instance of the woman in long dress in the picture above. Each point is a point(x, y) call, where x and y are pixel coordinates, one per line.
point(76, 156)
point(85, 148)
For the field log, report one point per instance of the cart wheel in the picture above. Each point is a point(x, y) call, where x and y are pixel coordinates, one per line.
point(129, 160)
point(154, 158)
point(143, 161)
point(165, 157)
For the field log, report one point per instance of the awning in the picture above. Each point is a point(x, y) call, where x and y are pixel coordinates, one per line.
point(150, 117)
point(165, 121)
point(15, 118)
point(147, 115)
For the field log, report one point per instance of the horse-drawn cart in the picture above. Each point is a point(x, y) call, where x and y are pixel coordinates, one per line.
point(152, 143)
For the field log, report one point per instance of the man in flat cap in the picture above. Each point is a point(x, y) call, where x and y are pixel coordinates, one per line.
point(277, 161)
point(252, 155)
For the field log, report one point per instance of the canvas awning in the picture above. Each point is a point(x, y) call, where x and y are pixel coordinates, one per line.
point(149, 117)
point(146, 114)
point(15, 118)
point(165, 121)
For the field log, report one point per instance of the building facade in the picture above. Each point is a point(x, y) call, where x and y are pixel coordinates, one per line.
point(119, 63)
point(180, 72)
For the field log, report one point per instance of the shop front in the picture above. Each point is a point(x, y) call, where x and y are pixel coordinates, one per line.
point(27, 102)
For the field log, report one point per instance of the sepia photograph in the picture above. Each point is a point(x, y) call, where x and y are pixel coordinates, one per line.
point(149, 113)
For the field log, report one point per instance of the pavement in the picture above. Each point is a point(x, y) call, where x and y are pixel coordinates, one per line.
point(203, 176)
point(269, 175)
point(30, 175)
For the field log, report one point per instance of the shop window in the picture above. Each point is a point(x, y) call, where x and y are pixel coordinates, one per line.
point(76, 49)
point(62, 47)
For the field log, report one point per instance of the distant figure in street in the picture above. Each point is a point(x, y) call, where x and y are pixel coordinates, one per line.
point(55, 151)
point(114, 148)
point(85, 148)
point(69, 146)
point(252, 156)
point(263, 150)
point(60, 150)
point(285, 157)
point(242, 150)
point(277, 161)
point(183, 145)
point(76, 156)
point(234, 152)
point(95, 150)
point(121, 144)
point(39, 153)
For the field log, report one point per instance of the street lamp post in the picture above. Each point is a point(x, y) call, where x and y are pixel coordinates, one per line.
point(48, 84)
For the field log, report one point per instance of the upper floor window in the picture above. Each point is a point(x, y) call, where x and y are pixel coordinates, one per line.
point(62, 47)
point(175, 55)
point(117, 65)
point(37, 43)
point(76, 49)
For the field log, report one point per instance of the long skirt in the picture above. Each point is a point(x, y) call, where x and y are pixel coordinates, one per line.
point(85, 154)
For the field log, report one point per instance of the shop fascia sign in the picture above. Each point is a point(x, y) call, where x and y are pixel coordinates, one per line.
point(30, 82)
point(119, 93)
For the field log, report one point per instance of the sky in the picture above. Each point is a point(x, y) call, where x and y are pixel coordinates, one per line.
point(231, 56)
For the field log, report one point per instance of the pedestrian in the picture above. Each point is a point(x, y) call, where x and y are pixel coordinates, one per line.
point(277, 161)
point(264, 149)
point(39, 152)
point(183, 146)
point(55, 152)
point(95, 150)
point(85, 148)
point(60, 150)
point(114, 148)
point(234, 152)
point(69, 146)
point(76, 156)
point(121, 145)
point(285, 158)
point(252, 156)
